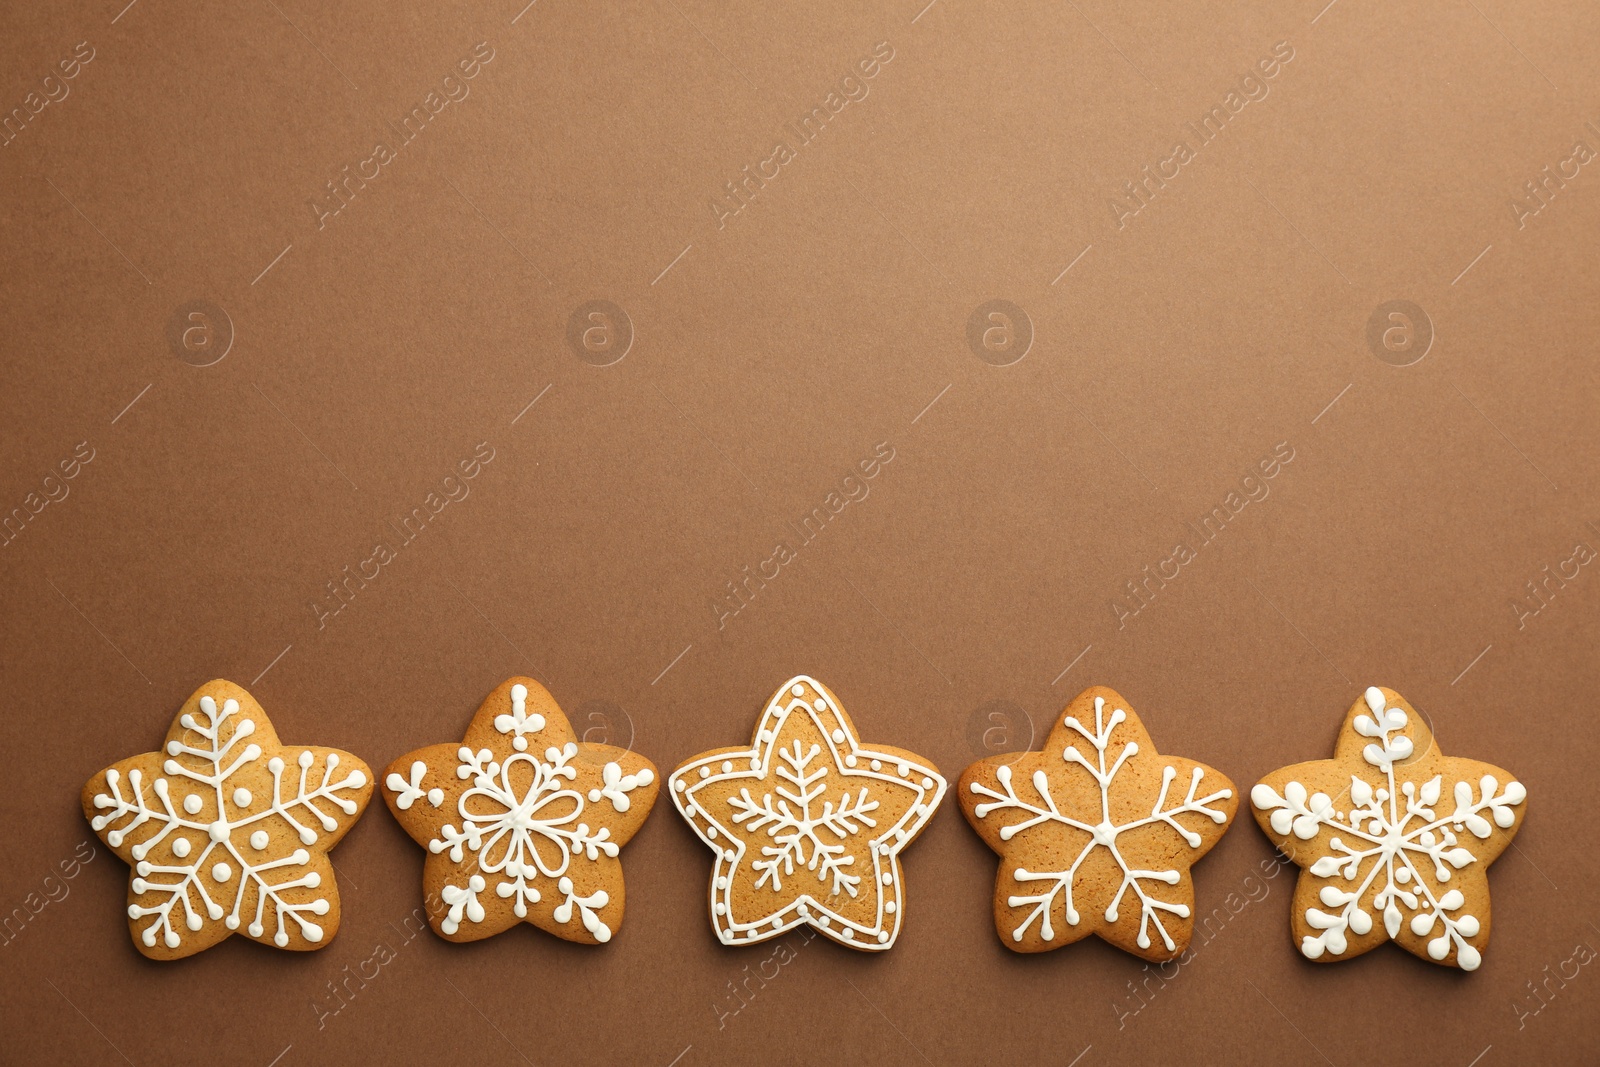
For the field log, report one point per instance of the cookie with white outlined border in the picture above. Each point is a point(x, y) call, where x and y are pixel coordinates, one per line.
point(522, 821)
point(228, 829)
point(807, 823)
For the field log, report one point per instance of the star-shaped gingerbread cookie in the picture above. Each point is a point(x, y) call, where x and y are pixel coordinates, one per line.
point(228, 829)
point(522, 821)
point(1096, 832)
point(807, 823)
point(1395, 838)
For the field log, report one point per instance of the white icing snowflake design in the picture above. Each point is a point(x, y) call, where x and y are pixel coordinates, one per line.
point(1101, 827)
point(807, 824)
point(230, 830)
point(1404, 845)
point(523, 819)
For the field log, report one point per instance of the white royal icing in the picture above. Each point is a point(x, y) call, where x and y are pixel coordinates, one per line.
point(1411, 845)
point(1102, 834)
point(518, 835)
point(206, 844)
point(815, 806)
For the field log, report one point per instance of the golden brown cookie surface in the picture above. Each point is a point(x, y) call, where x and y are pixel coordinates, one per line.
point(807, 823)
point(1096, 832)
point(228, 829)
point(522, 821)
point(1395, 838)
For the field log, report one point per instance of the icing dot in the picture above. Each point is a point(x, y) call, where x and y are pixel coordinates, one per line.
point(883, 938)
point(804, 909)
point(777, 924)
point(731, 854)
point(765, 735)
point(241, 798)
point(927, 783)
point(838, 736)
point(218, 830)
point(850, 760)
point(180, 847)
point(849, 934)
point(876, 765)
point(711, 832)
point(722, 882)
point(722, 909)
point(232, 922)
point(890, 907)
point(824, 920)
point(221, 872)
point(904, 769)
point(819, 704)
point(436, 796)
point(192, 803)
point(887, 878)
point(799, 690)
point(258, 840)
point(727, 765)
point(680, 785)
point(705, 772)
point(755, 763)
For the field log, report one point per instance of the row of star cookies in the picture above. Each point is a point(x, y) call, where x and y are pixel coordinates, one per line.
point(228, 829)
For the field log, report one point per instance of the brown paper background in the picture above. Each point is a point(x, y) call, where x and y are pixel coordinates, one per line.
point(770, 356)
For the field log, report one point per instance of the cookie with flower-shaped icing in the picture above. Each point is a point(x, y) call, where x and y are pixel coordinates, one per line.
point(522, 821)
point(1096, 832)
point(1395, 838)
point(228, 829)
point(807, 823)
